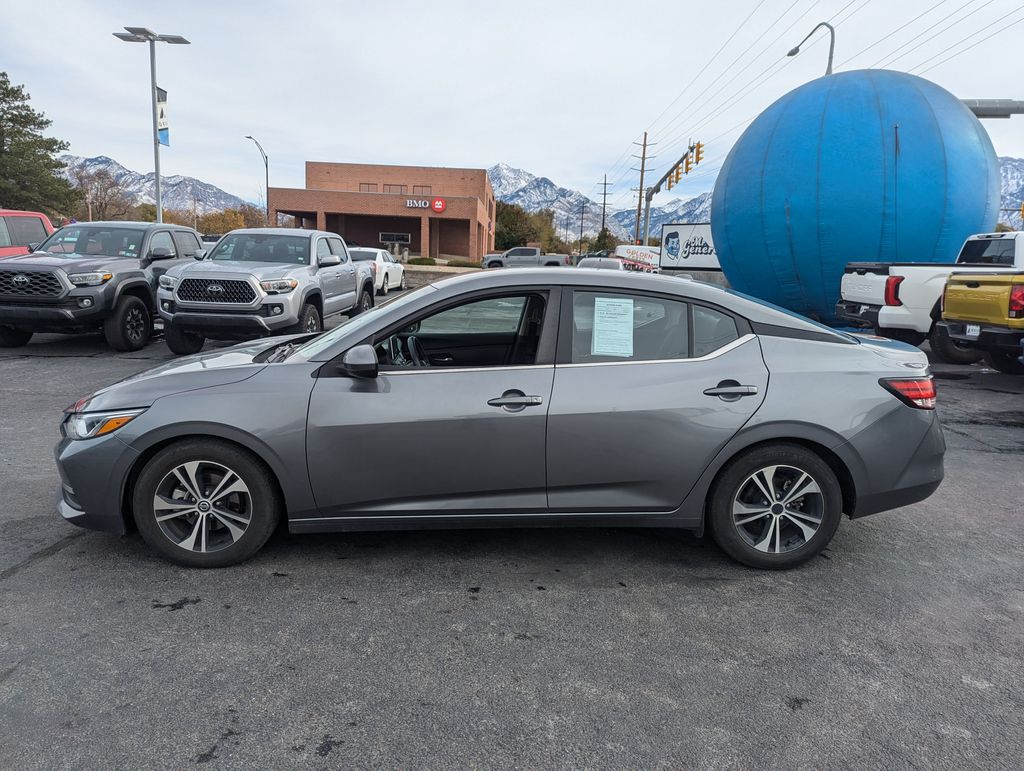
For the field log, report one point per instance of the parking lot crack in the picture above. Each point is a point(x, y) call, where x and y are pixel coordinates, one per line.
point(43, 553)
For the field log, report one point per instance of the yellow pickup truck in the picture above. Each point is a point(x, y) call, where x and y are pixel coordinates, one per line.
point(986, 312)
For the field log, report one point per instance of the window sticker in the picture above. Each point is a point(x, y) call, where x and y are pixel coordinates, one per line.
point(613, 327)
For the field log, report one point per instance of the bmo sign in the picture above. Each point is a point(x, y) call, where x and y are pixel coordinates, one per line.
point(437, 205)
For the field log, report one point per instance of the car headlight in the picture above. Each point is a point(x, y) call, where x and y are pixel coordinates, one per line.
point(89, 279)
point(86, 425)
point(168, 282)
point(279, 285)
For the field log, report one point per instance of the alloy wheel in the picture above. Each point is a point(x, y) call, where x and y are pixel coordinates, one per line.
point(202, 506)
point(134, 324)
point(778, 509)
point(312, 324)
point(366, 302)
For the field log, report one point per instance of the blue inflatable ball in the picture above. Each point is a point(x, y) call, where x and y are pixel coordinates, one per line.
point(862, 166)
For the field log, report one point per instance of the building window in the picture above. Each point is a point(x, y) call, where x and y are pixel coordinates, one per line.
point(421, 190)
point(394, 238)
point(367, 187)
point(396, 188)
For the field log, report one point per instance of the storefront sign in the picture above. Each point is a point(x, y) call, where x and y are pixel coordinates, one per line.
point(438, 204)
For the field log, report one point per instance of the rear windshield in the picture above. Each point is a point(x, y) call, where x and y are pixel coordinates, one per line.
point(262, 247)
point(74, 241)
point(988, 251)
point(361, 255)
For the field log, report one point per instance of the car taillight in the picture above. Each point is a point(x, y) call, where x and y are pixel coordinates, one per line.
point(918, 392)
point(892, 290)
point(1017, 301)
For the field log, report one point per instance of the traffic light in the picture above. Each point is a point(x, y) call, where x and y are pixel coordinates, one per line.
point(679, 174)
point(671, 178)
point(687, 165)
point(699, 152)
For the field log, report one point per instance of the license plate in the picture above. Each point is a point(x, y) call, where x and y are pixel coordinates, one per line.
point(973, 330)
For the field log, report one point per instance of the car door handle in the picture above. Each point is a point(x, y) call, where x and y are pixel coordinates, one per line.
point(519, 400)
point(730, 389)
point(443, 358)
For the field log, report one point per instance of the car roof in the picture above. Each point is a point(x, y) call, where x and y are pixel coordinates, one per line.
point(20, 213)
point(301, 232)
point(750, 308)
point(132, 225)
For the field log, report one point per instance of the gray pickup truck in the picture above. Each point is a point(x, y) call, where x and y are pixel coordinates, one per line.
point(89, 276)
point(262, 281)
point(525, 257)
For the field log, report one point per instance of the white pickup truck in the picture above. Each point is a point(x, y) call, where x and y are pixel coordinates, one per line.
point(902, 300)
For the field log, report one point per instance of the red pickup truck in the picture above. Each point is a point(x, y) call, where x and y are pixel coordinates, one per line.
point(18, 229)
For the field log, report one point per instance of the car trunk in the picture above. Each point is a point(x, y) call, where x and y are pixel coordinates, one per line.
point(983, 298)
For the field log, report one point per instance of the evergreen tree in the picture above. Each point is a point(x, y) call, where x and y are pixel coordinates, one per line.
point(29, 170)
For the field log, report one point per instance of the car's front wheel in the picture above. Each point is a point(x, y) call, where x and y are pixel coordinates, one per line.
point(1005, 362)
point(205, 503)
point(130, 326)
point(309, 320)
point(775, 506)
point(13, 337)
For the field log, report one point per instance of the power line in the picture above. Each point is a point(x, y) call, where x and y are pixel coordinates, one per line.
point(890, 57)
point(925, 12)
point(947, 49)
point(977, 42)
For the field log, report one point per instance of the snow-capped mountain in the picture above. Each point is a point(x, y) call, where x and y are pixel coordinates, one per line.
point(179, 192)
point(1011, 171)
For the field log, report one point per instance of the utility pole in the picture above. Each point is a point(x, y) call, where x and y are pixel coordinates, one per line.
point(694, 155)
point(604, 200)
point(583, 211)
point(640, 196)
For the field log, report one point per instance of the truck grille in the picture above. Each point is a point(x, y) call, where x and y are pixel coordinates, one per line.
point(213, 290)
point(15, 283)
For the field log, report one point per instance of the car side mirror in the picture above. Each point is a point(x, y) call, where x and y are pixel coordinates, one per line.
point(160, 253)
point(34, 246)
point(200, 254)
point(328, 260)
point(360, 361)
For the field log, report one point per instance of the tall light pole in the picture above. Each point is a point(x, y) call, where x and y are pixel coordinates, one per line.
point(831, 44)
point(266, 169)
point(143, 35)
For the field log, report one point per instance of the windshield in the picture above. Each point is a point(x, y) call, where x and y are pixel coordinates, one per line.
point(362, 255)
point(262, 247)
point(74, 241)
point(327, 339)
point(988, 251)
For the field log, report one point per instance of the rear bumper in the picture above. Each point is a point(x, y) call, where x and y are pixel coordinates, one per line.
point(990, 338)
point(857, 314)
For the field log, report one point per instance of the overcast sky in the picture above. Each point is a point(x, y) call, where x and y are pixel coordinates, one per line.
point(559, 89)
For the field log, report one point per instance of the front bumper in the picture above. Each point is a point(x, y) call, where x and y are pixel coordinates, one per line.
point(82, 308)
point(272, 315)
point(93, 475)
point(990, 338)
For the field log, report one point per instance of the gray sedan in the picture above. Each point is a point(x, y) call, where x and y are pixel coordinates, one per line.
point(515, 398)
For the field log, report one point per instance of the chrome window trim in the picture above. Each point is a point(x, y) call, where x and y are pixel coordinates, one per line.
point(440, 370)
point(706, 357)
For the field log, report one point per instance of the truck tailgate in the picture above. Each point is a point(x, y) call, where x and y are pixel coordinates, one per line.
point(981, 297)
point(867, 288)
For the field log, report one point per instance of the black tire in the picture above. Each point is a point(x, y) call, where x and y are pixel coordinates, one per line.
point(130, 326)
point(181, 342)
point(309, 321)
point(733, 484)
point(384, 287)
point(363, 303)
point(908, 336)
point(948, 350)
point(401, 284)
point(494, 265)
point(256, 519)
point(13, 337)
point(1008, 363)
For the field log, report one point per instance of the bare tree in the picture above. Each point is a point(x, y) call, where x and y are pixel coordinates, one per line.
point(104, 198)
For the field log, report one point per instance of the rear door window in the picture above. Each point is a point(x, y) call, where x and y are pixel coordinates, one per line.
point(25, 230)
point(611, 327)
point(711, 330)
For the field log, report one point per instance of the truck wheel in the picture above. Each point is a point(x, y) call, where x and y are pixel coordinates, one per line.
point(364, 303)
point(12, 337)
point(181, 342)
point(309, 321)
point(130, 326)
point(494, 264)
point(1004, 362)
point(951, 351)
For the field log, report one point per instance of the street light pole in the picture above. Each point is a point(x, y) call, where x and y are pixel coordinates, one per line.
point(143, 35)
point(831, 44)
point(266, 170)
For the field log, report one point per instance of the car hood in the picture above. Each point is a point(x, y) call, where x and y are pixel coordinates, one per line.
point(227, 267)
point(72, 263)
point(189, 373)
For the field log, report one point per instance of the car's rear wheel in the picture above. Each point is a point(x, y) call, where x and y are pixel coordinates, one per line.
point(1004, 362)
point(364, 303)
point(205, 503)
point(775, 506)
point(181, 342)
point(951, 352)
point(384, 287)
point(401, 284)
point(130, 326)
point(13, 337)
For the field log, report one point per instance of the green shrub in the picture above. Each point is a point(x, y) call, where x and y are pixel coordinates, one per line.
point(422, 261)
point(463, 264)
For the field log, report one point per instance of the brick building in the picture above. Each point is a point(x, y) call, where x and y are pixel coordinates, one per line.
point(432, 211)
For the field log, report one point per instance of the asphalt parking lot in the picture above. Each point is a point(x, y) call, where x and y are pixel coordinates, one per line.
point(903, 645)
